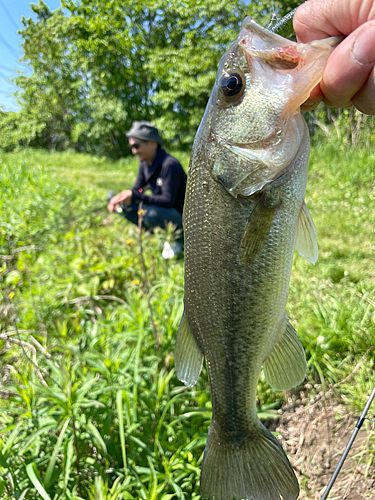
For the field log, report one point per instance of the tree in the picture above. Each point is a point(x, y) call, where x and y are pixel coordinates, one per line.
point(97, 65)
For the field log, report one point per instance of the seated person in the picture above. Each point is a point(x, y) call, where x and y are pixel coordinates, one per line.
point(158, 172)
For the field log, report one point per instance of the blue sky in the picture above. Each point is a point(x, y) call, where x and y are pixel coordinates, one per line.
point(11, 12)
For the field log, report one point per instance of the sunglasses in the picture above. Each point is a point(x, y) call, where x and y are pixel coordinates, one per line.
point(136, 145)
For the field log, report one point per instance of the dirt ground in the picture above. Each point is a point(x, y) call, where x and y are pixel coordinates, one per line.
point(315, 434)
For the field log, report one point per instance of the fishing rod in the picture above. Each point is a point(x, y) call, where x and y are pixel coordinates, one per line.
point(281, 26)
point(120, 210)
point(359, 424)
point(64, 222)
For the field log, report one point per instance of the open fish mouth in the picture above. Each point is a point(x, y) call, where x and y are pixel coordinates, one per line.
point(306, 59)
point(256, 41)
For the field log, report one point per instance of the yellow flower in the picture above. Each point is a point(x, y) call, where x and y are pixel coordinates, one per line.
point(129, 241)
point(11, 295)
point(135, 282)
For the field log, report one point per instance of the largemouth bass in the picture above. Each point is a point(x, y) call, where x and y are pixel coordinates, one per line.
point(244, 214)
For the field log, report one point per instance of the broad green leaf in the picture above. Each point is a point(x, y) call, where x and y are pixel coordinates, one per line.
point(33, 474)
point(52, 461)
point(120, 415)
point(23, 494)
point(97, 437)
point(152, 494)
point(14, 437)
point(68, 460)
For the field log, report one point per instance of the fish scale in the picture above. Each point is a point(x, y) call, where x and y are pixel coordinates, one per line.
point(244, 214)
point(240, 292)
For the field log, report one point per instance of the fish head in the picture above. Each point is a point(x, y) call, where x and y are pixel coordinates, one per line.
point(253, 118)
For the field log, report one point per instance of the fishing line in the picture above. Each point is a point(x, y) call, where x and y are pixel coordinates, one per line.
point(283, 22)
point(283, 26)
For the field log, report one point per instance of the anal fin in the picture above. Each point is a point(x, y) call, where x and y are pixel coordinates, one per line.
point(286, 366)
point(306, 244)
point(188, 357)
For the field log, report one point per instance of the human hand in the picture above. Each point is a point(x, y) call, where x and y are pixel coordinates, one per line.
point(349, 76)
point(123, 198)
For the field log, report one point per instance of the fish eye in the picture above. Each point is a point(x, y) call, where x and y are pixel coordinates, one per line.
point(232, 85)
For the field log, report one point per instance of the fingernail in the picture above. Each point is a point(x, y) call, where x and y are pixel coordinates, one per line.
point(309, 105)
point(363, 51)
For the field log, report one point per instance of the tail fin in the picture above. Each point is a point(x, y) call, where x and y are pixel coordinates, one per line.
point(256, 469)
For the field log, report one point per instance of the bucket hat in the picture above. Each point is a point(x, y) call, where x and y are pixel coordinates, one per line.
point(145, 131)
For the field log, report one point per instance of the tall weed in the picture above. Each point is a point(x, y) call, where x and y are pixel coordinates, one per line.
point(89, 407)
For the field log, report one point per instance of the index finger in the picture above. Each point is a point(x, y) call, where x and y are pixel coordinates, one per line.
point(318, 19)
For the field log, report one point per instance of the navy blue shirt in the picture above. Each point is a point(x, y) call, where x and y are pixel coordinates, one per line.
point(166, 179)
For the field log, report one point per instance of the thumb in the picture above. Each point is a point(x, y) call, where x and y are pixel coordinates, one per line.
point(349, 77)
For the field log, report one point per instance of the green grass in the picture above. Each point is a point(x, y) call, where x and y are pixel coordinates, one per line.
point(332, 302)
point(87, 171)
point(88, 406)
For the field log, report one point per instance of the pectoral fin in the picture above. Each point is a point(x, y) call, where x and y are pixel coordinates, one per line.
point(257, 229)
point(187, 355)
point(286, 366)
point(306, 243)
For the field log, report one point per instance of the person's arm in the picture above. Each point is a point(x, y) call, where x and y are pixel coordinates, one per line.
point(349, 76)
point(171, 176)
point(123, 198)
point(126, 197)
